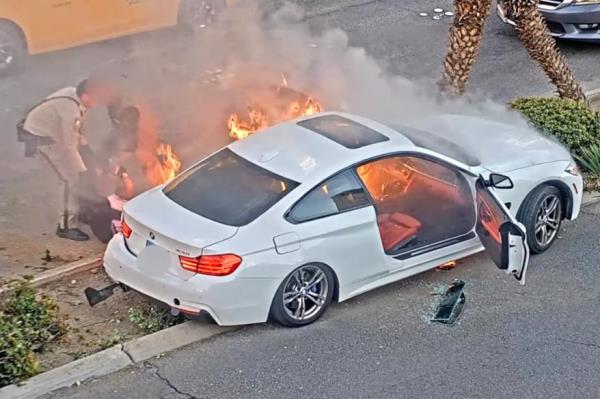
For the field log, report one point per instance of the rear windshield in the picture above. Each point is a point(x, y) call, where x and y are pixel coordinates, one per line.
point(228, 189)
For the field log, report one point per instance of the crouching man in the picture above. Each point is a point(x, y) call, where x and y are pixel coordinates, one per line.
point(52, 131)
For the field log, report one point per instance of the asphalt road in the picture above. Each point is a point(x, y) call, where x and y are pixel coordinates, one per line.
point(534, 341)
point(414, 46)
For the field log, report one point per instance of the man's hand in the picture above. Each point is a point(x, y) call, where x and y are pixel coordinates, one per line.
point(82, 140)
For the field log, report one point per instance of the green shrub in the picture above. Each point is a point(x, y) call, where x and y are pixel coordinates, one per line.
point(574, 124)
point(27, 325)
point(152, 318)
point(590, 159)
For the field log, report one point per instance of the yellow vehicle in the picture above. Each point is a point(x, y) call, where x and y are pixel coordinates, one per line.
point(38, 26)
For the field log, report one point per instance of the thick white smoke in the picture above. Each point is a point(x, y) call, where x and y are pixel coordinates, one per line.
point(197, 81)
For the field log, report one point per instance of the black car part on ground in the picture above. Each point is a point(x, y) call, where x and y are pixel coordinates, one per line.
point(452, 303)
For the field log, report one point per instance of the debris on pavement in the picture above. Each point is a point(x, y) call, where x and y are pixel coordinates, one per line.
point(450, 307)
point(447, 266)
point(438, 14)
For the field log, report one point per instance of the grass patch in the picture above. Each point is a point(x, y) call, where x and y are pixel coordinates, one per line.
point(152, 318)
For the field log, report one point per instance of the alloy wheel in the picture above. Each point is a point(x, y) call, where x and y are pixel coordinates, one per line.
point(547, 221)
point(305, 292)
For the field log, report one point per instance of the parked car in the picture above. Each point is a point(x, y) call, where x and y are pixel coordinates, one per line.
point(39, 26)
point(329, 207)
point(566, 19)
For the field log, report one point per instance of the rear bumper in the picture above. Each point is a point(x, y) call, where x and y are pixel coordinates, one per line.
point(566, 22)
point(229, 300)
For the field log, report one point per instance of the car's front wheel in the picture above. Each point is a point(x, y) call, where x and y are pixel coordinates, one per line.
point(542, 214)
point(303, 296)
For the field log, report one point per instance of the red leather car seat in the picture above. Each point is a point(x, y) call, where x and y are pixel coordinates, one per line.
point(397, 229)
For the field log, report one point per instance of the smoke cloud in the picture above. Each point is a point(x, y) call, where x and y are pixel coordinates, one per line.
point(195, 83)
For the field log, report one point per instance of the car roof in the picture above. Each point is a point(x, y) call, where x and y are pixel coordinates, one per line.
point(302, 154)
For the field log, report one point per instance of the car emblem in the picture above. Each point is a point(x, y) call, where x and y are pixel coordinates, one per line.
point(152, 235)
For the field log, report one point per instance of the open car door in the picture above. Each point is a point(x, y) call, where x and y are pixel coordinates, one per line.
point(502, 236)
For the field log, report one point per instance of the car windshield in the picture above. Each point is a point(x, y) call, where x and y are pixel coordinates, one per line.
point(439, 144)
point(228, 189)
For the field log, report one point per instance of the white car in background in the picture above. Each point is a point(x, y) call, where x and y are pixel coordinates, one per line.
point(329, 207)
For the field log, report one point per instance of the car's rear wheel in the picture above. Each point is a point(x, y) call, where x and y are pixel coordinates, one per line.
point(304, 295)
point(542, 214)
point(12, 47)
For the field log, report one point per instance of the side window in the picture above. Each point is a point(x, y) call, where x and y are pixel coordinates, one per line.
point(418, 202)
point(341, 193)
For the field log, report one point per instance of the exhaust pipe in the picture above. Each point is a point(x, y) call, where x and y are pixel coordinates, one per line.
point(95, 296)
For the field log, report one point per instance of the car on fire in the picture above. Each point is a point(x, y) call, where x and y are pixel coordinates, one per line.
point(328, 207)
point(566, 19)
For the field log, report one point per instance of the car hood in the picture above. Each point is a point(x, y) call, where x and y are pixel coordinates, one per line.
point(500, 147)
point(154, 216)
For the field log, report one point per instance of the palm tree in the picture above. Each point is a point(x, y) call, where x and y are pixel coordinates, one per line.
point(536, 38)
point(465, 38)
point(466, 34)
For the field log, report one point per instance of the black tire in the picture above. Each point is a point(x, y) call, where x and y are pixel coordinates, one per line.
point(13, 49)
point(531, 214)
point(278, 308)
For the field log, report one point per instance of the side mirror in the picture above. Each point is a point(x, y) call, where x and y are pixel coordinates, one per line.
point(500, 181)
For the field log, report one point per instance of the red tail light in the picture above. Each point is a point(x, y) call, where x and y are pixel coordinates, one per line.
point(211, 265)
point(125, 229)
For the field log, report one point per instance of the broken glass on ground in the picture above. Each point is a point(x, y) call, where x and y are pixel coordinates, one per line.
point(450, 307)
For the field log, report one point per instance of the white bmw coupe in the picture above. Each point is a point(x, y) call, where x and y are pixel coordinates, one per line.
point(329, 207)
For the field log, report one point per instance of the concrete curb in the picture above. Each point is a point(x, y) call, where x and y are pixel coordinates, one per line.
point(593, 97)
point(590, 198)
point(56, 273)
point(113, 359)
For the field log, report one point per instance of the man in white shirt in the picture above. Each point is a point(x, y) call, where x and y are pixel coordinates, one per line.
point(54, 127)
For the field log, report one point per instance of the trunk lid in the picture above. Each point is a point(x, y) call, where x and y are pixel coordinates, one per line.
point(163, 230)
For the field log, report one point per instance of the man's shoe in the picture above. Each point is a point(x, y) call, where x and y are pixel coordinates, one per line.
point(72, 234)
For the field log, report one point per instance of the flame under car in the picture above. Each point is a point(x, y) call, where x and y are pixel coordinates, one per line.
point(328, 207)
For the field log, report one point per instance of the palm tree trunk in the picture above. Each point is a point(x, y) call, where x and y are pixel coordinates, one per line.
point(535, 36)
point(465, 39)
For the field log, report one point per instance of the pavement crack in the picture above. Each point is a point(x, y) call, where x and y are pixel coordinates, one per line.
point(156, 371)
point(127, 354)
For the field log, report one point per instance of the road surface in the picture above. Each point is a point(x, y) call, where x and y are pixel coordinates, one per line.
point(511, 341)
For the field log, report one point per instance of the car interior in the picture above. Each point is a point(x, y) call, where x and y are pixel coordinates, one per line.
point(418, 202)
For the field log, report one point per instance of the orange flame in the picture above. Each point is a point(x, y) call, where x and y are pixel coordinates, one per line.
point(158, 160)
point(259, 119)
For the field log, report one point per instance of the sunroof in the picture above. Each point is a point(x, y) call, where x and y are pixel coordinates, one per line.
point(343, 131)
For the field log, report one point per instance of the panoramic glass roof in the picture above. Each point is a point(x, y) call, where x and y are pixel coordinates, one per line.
point(343, 131)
